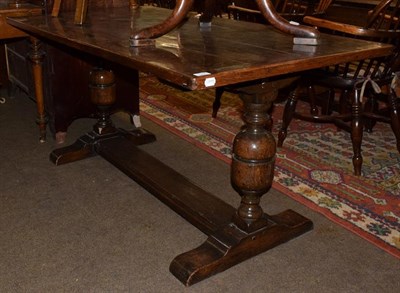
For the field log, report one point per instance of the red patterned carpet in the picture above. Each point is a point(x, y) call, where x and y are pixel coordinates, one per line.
point(313, 167)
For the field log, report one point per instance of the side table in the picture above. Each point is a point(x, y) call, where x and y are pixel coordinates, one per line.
point(8, 33)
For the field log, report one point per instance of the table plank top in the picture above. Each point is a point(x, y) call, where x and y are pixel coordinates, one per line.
point(195, 58)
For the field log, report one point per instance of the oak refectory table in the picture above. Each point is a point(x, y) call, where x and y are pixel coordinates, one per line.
point(196, 57)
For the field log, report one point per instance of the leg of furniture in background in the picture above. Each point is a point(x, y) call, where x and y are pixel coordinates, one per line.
point(3, 66)
point(3, 72)
point(219, 91)
point(36, 57)
point(4, 83)
point(56, 8)
point(9, 33)
point(80, 11)
point(394, 115)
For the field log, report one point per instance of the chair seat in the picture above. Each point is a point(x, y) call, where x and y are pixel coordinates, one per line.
point(329, 79)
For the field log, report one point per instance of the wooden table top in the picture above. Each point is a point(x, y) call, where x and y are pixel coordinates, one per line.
point(192, 57)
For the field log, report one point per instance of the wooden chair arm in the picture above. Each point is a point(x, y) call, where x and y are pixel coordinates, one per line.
point(350, 29)
point(374, 14)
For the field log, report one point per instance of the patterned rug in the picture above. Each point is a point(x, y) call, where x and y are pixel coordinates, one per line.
point(313, 167)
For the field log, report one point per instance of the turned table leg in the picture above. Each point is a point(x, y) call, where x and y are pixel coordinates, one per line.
point(102, 94)
point(36, 57)
point(253, 158)
point(251, 231)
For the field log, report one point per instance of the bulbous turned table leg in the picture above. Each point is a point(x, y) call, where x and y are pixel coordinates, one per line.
point(36, 57)
point(103, 95)
point(253, 158)
point(251, 231)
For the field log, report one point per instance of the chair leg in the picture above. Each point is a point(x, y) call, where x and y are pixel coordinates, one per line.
point(356, 133)
point(343, 99)
point(371, 106)
point(217, 102)
point(288, 113)
point(395, 117)
point(56, 8)
point(343, 106)
point(313, 100)
point(80, 12)
point(327, 106)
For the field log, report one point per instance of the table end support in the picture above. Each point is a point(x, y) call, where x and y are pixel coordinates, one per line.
point(231, 245)
point(102, 94)
point(251, 231)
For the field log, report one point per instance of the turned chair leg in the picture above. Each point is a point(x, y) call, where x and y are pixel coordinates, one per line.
point(81, 11)
point(287, 116)
point(343, 101)
point(56, 8)
point(327, 106)
point(313, 100)
point(357, 132)
point(395, 117)
point(371, 106)
point(217, 101)
point(36, 57)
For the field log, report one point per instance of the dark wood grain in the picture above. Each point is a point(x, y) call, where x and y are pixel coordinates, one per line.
point(202, 209)
point(188, 50)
